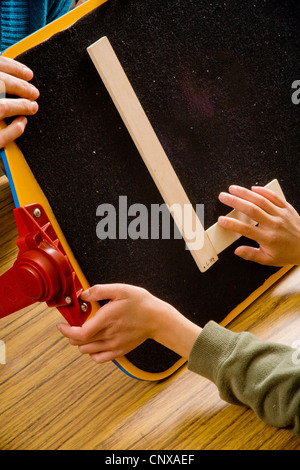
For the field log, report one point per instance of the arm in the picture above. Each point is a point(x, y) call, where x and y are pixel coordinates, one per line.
point(263, 376)
point(278, 229)
point(59, 8)
point(56, 9)
point(14, 80)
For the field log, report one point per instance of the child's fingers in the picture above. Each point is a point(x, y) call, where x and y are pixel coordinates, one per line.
point(98, 292)
point(246, 230)
point(92, 329)
point(262, 199)
point(100, 351)
point(74, 333)
point(104, 356)
point(256, 255)
point(105, 292)
point(81, 334)
point(274, 198)
point(245, 206)
point(92, 348)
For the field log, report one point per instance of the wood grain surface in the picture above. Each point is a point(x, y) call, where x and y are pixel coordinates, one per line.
point(56, 399)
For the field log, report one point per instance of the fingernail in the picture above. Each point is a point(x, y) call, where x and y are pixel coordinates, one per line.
point(34, 91)
point(23, 120)
point(34, 107)
point(85, 293)
point(28, 73)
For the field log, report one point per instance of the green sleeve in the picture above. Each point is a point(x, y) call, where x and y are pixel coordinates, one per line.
point(260, 375)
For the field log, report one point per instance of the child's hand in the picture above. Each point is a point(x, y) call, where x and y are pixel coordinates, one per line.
point(14, 78)
point(278, 229)
point(132, 316)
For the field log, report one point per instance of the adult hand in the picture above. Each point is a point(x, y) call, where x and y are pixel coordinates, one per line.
point(14, 80)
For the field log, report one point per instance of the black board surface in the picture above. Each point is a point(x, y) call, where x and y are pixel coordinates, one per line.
point(215, 81)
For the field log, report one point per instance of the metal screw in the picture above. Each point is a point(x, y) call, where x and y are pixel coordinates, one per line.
point(37, 213)
point(84, 307)
point(68, 300)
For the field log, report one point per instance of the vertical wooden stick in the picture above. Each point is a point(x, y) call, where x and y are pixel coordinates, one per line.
point(152, 152)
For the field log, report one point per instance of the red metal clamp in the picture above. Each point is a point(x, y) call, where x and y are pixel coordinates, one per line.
point(42, 271)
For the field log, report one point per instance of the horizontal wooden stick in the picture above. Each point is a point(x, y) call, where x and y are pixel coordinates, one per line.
point(222, 238)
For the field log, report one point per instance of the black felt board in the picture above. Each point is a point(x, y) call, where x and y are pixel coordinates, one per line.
point(215, 81)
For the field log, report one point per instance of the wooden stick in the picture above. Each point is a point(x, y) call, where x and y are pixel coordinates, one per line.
point(152, 152)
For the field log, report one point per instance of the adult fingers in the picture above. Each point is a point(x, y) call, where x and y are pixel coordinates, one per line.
point(15, 107)
point(13, 131)
point(15, 68)
point(19, 87)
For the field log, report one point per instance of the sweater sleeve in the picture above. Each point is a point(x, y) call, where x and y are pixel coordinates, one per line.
point(264, 376)
point(43, 12)
point(57, 8)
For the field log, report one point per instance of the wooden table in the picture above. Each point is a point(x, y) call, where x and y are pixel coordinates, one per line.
point(54, 398)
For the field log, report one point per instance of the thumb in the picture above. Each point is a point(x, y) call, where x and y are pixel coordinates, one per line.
point(256, 255)
point(101, 292)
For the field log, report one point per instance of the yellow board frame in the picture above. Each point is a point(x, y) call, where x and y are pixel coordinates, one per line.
point(28, 191)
